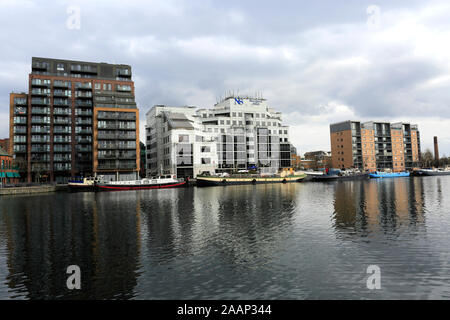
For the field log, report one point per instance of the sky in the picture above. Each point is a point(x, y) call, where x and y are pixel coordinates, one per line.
point(317, 62)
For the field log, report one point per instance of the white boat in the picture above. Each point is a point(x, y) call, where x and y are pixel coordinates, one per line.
point(83, 184)
point(167, 181)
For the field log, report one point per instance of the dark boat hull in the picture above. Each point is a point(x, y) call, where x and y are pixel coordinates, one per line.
point(112, 187)
point(325, 178)
point(79, 188)
point(429, 173)
point(209, 182)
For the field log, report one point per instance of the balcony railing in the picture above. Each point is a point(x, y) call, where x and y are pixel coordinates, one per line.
point(80, 112)
point(66, 112)
point(83, 121)
point(84, 131)
point(62, 148)
point(85, 85)
point(80, 68)
point(61, 84)
point(83, 94)
point(62, 121)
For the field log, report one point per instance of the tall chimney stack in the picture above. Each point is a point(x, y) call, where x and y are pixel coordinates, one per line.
point(436, 149)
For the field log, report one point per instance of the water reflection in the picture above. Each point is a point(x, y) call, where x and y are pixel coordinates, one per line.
point(378, 205)
point(292, 241)
point(51, 232)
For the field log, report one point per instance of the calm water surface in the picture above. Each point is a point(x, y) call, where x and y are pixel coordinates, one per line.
point(295, 241)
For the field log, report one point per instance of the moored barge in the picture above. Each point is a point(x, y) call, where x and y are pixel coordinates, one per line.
point(162, 182)
point(203, 181)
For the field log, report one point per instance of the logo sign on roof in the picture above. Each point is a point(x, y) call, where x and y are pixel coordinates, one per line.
point(238, 101)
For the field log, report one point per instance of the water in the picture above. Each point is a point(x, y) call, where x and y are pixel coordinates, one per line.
point(294, 241)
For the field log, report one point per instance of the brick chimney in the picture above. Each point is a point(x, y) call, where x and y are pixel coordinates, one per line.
point(436, 149)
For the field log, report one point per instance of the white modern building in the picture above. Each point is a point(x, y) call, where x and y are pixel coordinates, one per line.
point(237, 133)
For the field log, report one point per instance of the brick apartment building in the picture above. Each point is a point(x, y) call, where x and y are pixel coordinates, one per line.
point(78, 118)
point(372, 146)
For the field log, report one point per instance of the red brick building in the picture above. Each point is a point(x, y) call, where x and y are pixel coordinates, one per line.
point(8, 172)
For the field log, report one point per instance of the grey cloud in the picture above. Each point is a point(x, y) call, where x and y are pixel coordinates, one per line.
point(302, 55)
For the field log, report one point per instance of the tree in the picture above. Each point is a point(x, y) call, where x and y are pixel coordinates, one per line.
point(427, 158)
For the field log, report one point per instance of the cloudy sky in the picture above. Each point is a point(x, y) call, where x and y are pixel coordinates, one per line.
point(318, 62)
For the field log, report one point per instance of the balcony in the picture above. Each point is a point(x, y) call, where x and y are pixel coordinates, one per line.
point(107, 126)
point(20, 129)
point(45, 130)
point(20, 148)
point(83, 94)
point(126, 125)
point(62, 158)
point(63, 139)
point(127, 136)
point(40, 92)
point(84, 131)
point(20, 120)
point(62, 93)
point(20, 101)
point(61, 84)
point(44, 120)
point(127, 155)
point(81, 148)
point(40, 148)
point(86, 139)
point(37, 110)
point(62, 112)
point(80, 112)
point(106, 135)
point(125, 146)
point(66, 130)
point(106, 115)
point(62, 121)
point(40, 66)
point(83, 85)
point(107, 146)
point(83, 69)
point(106, 166)
point(40, 139)
point(123, 72)
point(62, 148)
point(61, 102)
point(107, 156)
point(79, 121)
point(40, 83)
point(40, 101)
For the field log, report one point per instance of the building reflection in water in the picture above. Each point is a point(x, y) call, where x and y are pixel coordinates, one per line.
point(198, 235)
point(47, 233)
point(379, 206)
point(185, 221)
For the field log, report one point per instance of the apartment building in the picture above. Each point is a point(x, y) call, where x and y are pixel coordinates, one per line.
point(78, 118)
point(238, 133)
point(372, 146)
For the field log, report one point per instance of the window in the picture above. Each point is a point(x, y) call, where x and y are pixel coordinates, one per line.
point(60, 67)
point(183, 138)
point(97, 86)
point(206, 160)
point(206, 149)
